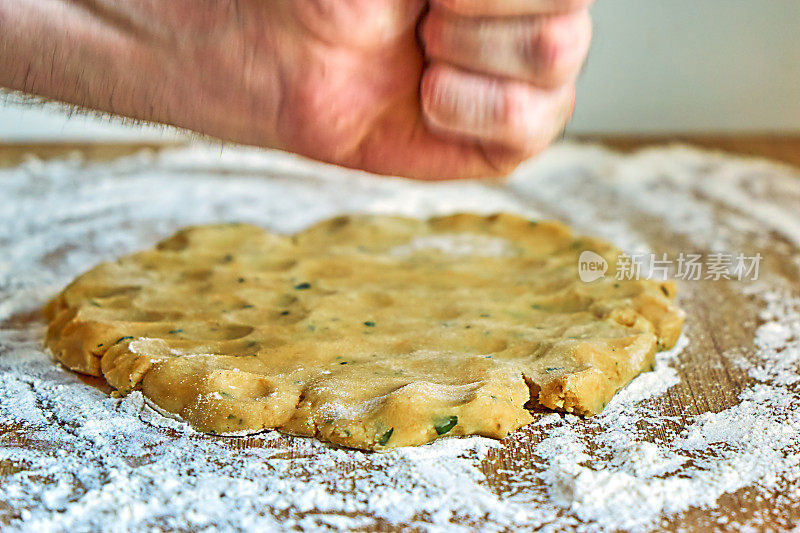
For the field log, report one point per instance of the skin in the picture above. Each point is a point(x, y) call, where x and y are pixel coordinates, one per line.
point(425, 89)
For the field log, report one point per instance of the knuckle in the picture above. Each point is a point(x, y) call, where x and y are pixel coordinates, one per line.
point(462, 7)
point(566, 6)
point(533, 118)
point(517, 109)
point(581, 4)
point(554, 51)
point(545, 48)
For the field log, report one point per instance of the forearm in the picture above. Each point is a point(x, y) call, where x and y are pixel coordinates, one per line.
point(174, 61)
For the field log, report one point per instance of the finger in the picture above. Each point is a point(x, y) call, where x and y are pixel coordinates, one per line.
point(493, 110)
point(545, 50)
point(505, 8)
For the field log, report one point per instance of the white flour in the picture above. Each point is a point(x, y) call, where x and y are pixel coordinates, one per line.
point(91, 462)
point(458, 245)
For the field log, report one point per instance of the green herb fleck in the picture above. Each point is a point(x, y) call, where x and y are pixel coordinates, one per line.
point(616, 285)
point(284, 313)
point(226, 394)
point(343, 363)
point(446, 424)
point(231, 417)
point(174, 331)
point(247, 306)
point(228, 258)
point(92, 302)
point(533, 222)
point(240, 280)
point(537, 306)
point(664, 290)
point(312, 327)
point(385, 437)
point(250, 344)
point(100, 345)
point(485, 315)
point(302, 286)
point(369, 324)
point(125, 338)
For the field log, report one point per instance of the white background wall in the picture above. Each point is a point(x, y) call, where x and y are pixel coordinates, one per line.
point(657, 66)
point(692, 65)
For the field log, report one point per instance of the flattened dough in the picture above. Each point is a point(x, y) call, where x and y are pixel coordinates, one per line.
point(366, 331)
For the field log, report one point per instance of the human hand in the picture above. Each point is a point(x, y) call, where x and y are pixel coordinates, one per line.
point(431, 90)
point(491, 84)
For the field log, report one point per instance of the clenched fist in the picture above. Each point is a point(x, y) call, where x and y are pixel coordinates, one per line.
point(431, 90)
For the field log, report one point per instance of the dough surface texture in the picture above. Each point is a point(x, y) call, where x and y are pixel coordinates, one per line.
point(365, 331)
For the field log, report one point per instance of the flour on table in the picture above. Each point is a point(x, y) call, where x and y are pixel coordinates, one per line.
point(466, 244)
point(82, 460)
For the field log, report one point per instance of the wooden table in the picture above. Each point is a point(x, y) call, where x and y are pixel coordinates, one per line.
point(779, 148)
point(719, 319)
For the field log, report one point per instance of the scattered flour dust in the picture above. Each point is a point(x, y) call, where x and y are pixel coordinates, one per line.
point(81, 460)
point(458, 245)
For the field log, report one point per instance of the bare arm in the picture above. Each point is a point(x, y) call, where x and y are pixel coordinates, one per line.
point(431, 90)
point(178, 62)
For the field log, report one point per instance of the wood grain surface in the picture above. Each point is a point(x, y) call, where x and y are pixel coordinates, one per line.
point(778, 148)
point(719, 320)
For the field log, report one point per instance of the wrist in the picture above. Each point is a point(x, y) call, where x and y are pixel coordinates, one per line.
point(224, 73)
point(67, 51)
